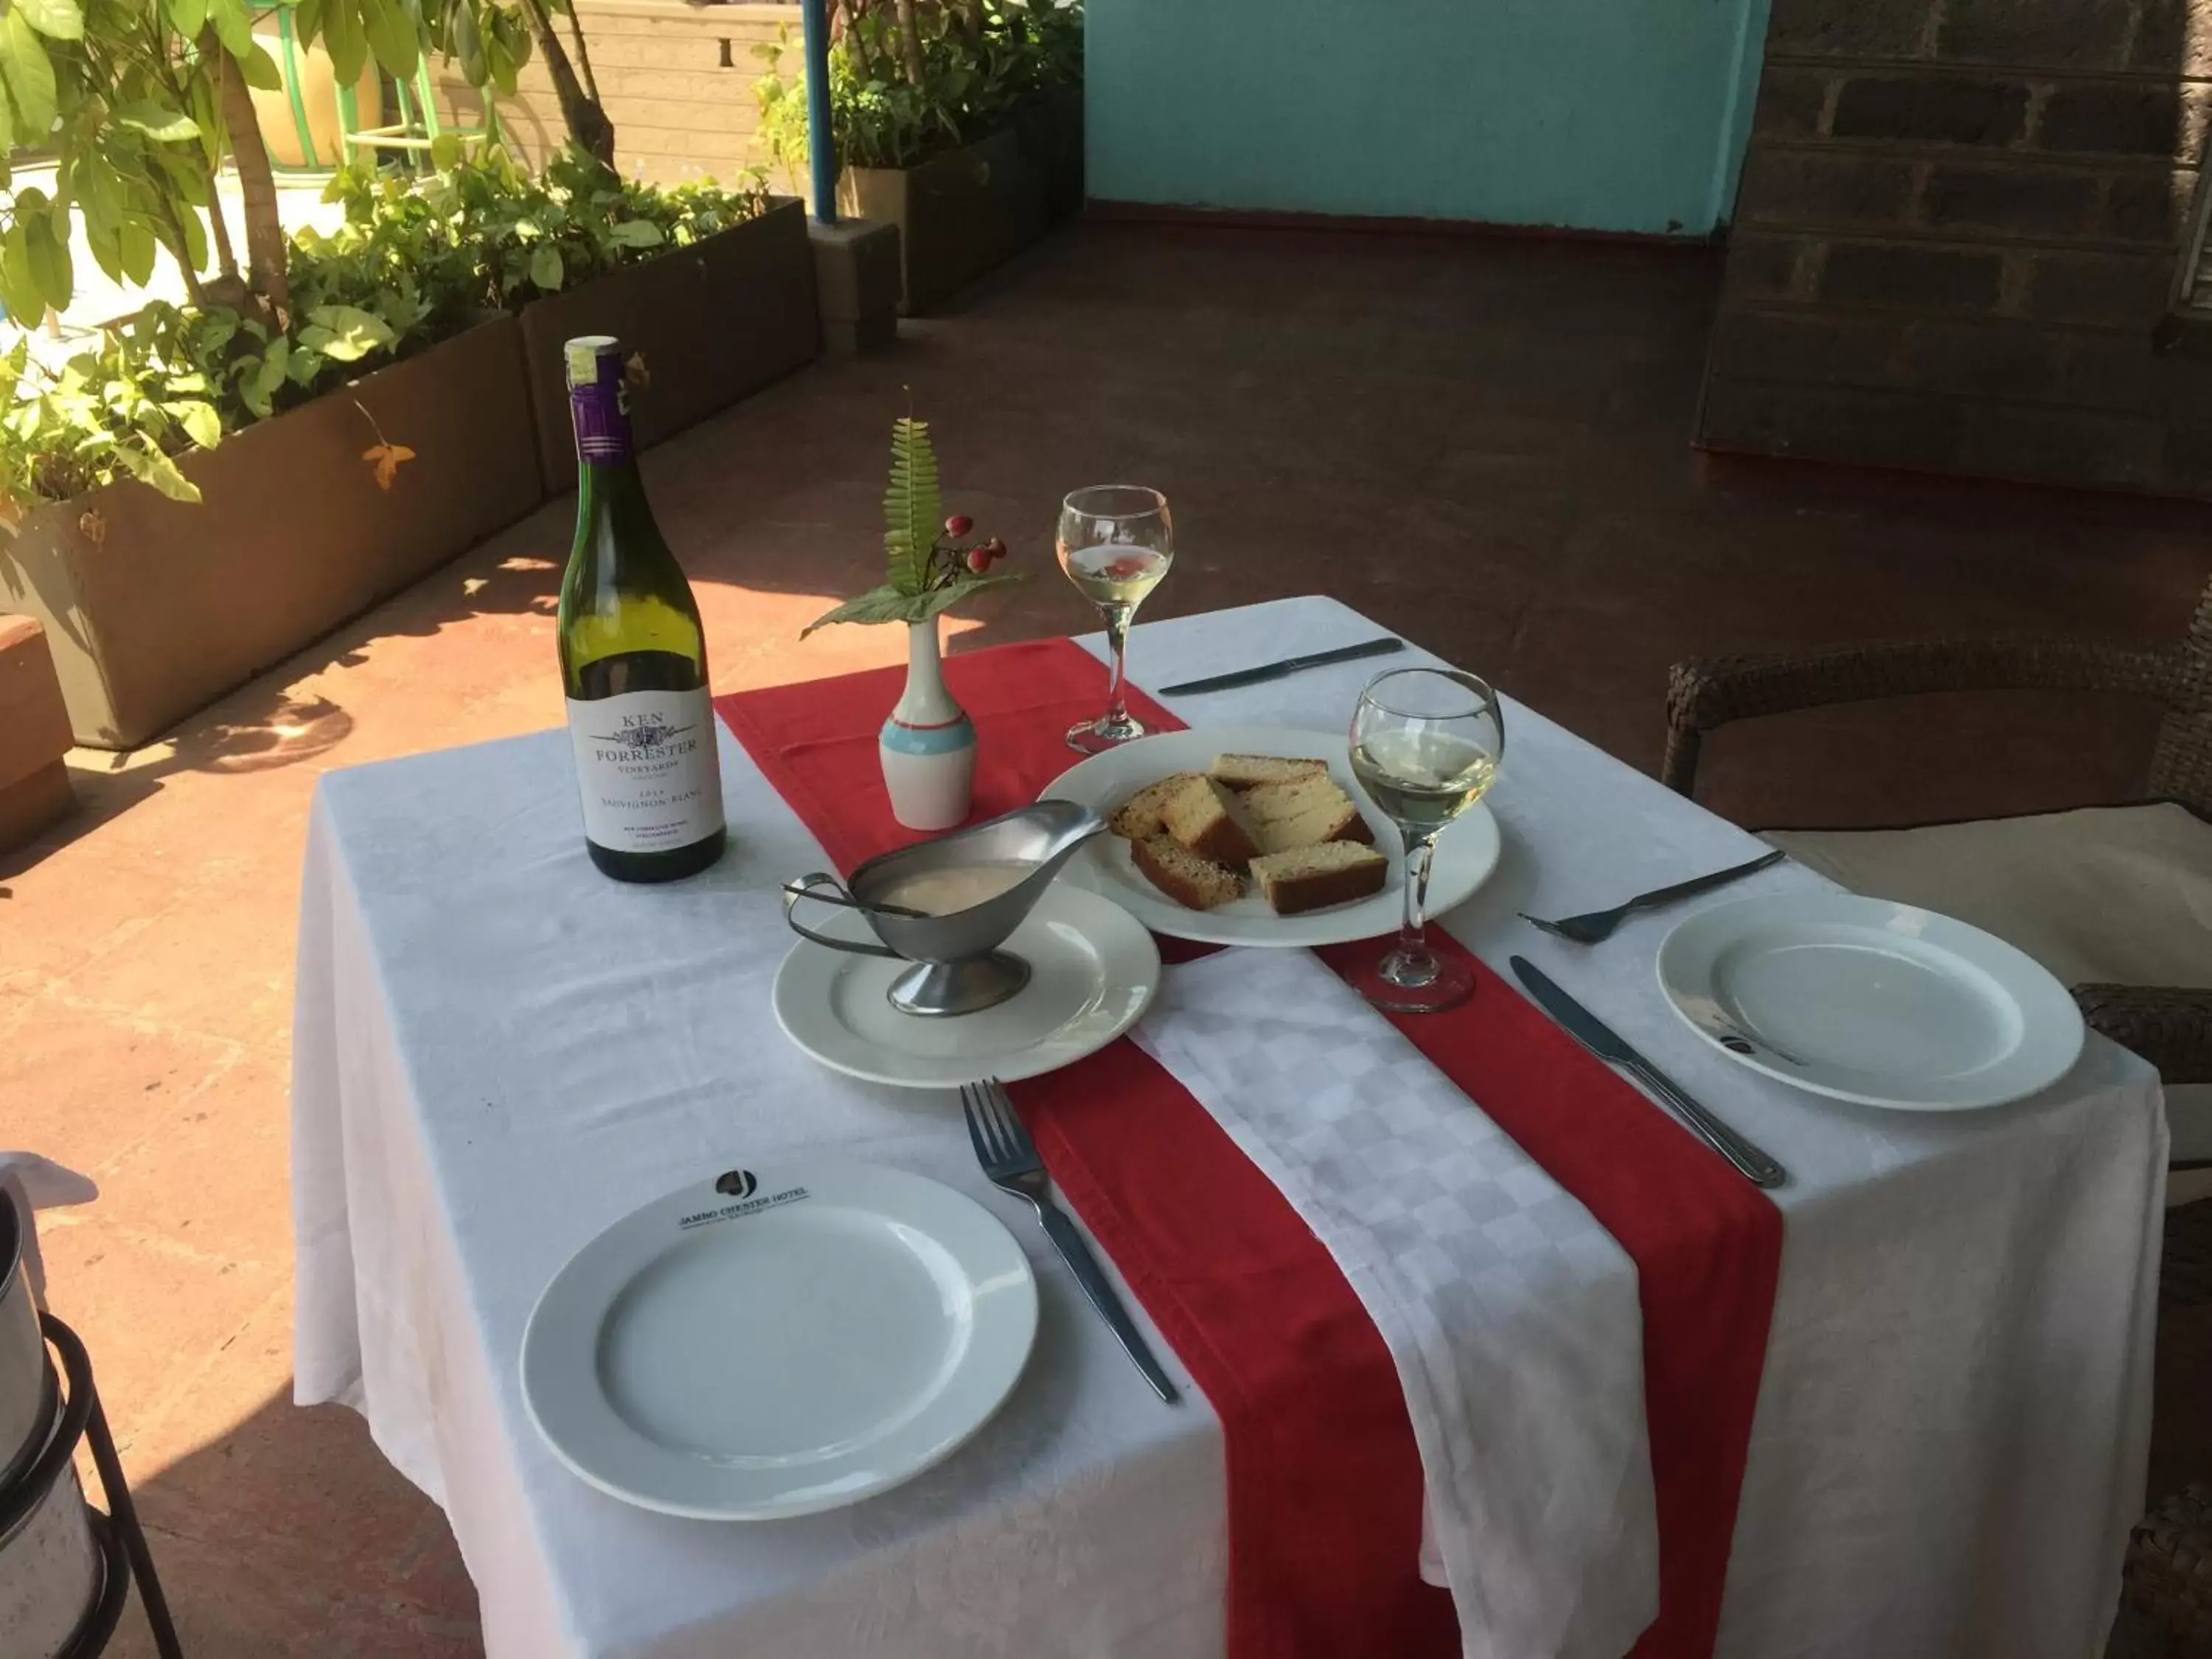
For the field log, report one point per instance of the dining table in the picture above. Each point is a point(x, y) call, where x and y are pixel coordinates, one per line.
point(498, 1053)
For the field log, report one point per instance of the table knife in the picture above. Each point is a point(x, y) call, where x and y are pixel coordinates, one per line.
point(1601, 1039)
point(1275, 671)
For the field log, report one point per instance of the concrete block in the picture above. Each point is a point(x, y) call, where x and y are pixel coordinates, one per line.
point(1830, 347)
point(2062, 446)
point(857, 278)
point(1934, 109)
point(2149, 207)
point(2095, 118)
point(1860, 426)
point(1763, 267)
point(2046, 33)
point(1790, 102)
point(2111, 288)
point(1911, 278)
point(30, 805)
point(2017, 200)
point(1823, 190)
point(1852, 28)
point(34, 724)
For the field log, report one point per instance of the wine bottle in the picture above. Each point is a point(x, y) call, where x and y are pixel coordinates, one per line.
point(633, 654)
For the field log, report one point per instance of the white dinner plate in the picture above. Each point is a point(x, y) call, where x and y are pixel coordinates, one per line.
point(780, 1340)
point(1866, 1000)
point(1092, 971)
point(1465, 852)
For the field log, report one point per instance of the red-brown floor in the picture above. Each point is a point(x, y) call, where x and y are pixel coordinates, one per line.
point(1481, 443)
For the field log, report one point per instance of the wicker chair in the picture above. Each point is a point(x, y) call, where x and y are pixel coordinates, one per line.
point(2166, 1600)
point(2170, 1027)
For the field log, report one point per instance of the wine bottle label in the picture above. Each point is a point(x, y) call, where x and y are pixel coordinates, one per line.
point(649, 769)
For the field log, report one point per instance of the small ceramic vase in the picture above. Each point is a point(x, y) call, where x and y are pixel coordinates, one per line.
point(928, 743)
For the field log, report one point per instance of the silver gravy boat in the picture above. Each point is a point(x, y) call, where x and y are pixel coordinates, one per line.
point(958, 968)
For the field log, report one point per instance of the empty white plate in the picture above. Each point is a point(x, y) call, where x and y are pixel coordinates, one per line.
point(781, 1339)
point(1092, 971)
point(1866, 1000)
point(1466, 854)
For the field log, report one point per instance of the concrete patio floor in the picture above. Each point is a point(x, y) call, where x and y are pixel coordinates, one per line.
point(1483, 443)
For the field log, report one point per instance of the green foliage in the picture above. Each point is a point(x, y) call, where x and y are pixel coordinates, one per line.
point(928, 568)
point(529, 236)
point(413, 264)
point(125, 93)
point(913, 506)
point(982, 60)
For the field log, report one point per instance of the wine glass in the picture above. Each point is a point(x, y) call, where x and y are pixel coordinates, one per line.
point(1425, 745)
point(1116, 542)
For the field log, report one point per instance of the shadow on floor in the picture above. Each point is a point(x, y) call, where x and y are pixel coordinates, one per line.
point(289, 1537)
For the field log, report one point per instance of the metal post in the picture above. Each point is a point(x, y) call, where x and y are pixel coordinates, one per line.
point(821, 142)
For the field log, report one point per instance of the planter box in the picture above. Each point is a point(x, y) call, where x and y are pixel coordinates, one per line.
point(959, 215)
point(154, 608)
point(712, 322)
point(1051, 131)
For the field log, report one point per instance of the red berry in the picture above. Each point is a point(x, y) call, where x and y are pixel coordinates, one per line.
point(979, 559)
point(996, 548)
point(958, 524)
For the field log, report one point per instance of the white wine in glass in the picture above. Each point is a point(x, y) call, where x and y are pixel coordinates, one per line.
point(1425, 746)
point(1116, 542)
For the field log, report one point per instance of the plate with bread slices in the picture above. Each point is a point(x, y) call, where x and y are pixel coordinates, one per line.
point(1256, 834)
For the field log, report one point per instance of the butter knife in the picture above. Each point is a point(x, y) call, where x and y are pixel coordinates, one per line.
point(1601, 1039)
point(1275, 671)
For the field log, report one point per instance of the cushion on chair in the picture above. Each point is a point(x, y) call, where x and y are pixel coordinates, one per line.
point(2117, 895)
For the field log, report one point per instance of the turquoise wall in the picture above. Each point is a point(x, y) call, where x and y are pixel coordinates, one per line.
point(1622, 115)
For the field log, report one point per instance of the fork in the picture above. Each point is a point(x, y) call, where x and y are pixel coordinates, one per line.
point(1598, 925)
point(1010, 1163)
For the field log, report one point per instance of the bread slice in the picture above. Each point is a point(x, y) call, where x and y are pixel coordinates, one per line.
point(1304, 812)
point(1209, 821)
point(1314, 878)
point(1250, 771)
point(1194, 883)
point(1138, 818)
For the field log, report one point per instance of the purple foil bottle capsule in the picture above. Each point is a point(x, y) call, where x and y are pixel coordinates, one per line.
point(598, 398)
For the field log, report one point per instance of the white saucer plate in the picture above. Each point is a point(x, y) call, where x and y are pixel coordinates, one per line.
point(1092, 971)
point(797, 1337)
point(1465, 852)
point(1864, 1001)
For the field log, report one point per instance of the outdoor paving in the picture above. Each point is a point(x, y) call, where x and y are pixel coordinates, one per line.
point(1480, 442)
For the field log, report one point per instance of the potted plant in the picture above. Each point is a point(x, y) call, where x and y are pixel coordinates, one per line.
point(207, 490)
point(952, 121)
point(197, 497)
point(711, 291)
point(928, 743)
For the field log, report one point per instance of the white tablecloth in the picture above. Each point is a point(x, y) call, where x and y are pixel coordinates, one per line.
point(497, 1053)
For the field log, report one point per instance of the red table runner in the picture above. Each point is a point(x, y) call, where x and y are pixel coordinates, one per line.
point(1323, 1478)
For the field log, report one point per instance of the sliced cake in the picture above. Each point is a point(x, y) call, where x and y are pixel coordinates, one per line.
point(1205, 818)
point(1138, 818)
point(1303, 813)
point(1250, 771)
point(1194, 883)
point(1314, 878)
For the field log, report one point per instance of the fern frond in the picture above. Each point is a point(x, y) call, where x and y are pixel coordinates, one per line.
point(912, 508)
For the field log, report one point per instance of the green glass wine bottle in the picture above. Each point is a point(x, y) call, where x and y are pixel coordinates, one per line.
point(633, 654)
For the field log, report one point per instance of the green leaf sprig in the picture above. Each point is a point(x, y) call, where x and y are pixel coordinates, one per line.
point(933, 562)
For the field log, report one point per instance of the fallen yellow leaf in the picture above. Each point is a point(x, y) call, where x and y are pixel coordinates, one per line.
point(387, 457)
point(94, 526)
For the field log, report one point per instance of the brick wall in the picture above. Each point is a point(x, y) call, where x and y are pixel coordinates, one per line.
point(677, 79)
point(1956, 237)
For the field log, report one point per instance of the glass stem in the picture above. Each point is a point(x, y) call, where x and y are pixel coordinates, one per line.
point(1419, 849)
point(1117, 636)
